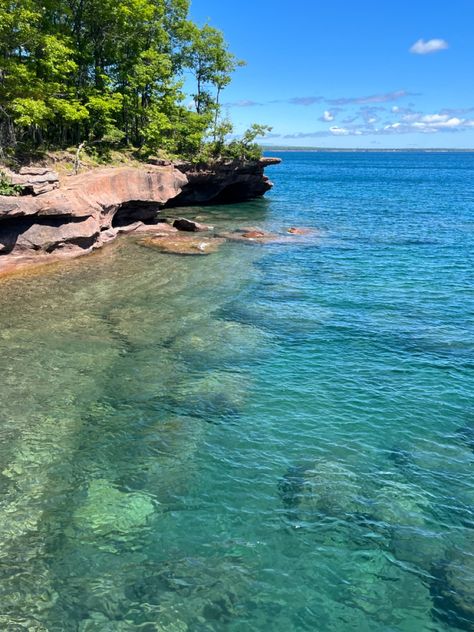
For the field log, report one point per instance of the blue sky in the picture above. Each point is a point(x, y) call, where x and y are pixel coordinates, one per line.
point(352, 73)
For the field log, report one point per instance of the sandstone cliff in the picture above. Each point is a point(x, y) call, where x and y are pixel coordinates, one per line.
point(91, 209)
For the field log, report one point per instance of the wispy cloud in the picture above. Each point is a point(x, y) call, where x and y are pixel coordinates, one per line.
point(304, 100)
point(456, 111)
point(244, 103)
point(385, 97)
point(421, 47)
point(318, 134)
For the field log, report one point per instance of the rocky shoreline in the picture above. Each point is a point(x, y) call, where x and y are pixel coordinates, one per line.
point(56, 221)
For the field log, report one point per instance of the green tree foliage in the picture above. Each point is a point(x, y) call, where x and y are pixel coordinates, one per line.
point(111, 73)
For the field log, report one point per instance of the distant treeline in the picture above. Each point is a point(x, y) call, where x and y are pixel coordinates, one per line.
point(362, 150)
point(110, 73)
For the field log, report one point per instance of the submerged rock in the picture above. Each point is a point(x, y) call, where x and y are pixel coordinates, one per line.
point(379, 588)
point(466, 434)
point(219, 342)
point(251, 235)
point(209, 590)
point(300, 231)
point(107, 511)
point(400, 457)
point(452, 591)
point(400, 504)
point(326, 488)
point(218, 393)
point(184, 244)
point(254, 234)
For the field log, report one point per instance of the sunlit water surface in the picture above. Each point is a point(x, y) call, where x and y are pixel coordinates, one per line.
point(274, 437)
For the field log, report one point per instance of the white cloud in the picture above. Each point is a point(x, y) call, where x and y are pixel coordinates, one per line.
point(428, 123)
point(328, 116)
point(439, 121)
point(339, 131)
point(430, 46)
point(413, 122)
point(434, 118)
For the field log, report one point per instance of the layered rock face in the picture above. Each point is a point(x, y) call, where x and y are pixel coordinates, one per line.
point(33, 180)
point(91, 209)
point(232, 182)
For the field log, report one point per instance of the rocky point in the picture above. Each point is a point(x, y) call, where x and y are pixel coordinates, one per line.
point(53, 220)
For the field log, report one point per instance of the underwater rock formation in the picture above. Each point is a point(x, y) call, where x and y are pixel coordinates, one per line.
point(108, 511)
point(325, 489)
point(451, 590)
point(184, 244)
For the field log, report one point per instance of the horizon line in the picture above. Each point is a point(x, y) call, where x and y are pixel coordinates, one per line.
point(315, 148)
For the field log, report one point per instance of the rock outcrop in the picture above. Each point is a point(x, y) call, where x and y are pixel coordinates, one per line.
point(231, 182)
point(91, 209)
point(33, 180)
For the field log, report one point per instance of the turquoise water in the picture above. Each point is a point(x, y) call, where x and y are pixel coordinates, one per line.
point(274, 437)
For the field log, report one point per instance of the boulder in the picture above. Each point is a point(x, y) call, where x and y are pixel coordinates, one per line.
point(191, 226)
point(160, 229)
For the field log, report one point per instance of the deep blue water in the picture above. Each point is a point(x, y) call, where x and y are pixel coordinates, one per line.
point(273, 437)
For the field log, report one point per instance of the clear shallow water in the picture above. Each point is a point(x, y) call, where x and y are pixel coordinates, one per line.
point(272, 437)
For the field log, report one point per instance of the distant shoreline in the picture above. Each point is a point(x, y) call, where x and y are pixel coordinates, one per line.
point(366, 150)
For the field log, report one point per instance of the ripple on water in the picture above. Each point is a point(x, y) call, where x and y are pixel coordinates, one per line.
point(266, 438)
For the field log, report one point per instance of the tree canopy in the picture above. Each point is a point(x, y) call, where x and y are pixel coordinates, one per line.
point(112, 73)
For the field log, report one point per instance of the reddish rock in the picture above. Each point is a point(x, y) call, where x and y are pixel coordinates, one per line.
point(254, 234)
point(225, 183)
point(184, 244)
point(300, 231)
point(162, 228)
point(47, 238)
point(34, 180)
point(91, 209)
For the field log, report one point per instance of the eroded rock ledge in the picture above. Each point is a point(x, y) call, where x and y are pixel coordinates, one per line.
point(91, 209)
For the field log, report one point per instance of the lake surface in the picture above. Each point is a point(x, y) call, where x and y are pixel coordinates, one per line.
point(274, 437)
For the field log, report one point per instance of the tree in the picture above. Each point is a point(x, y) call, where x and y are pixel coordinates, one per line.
point(102, 73)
